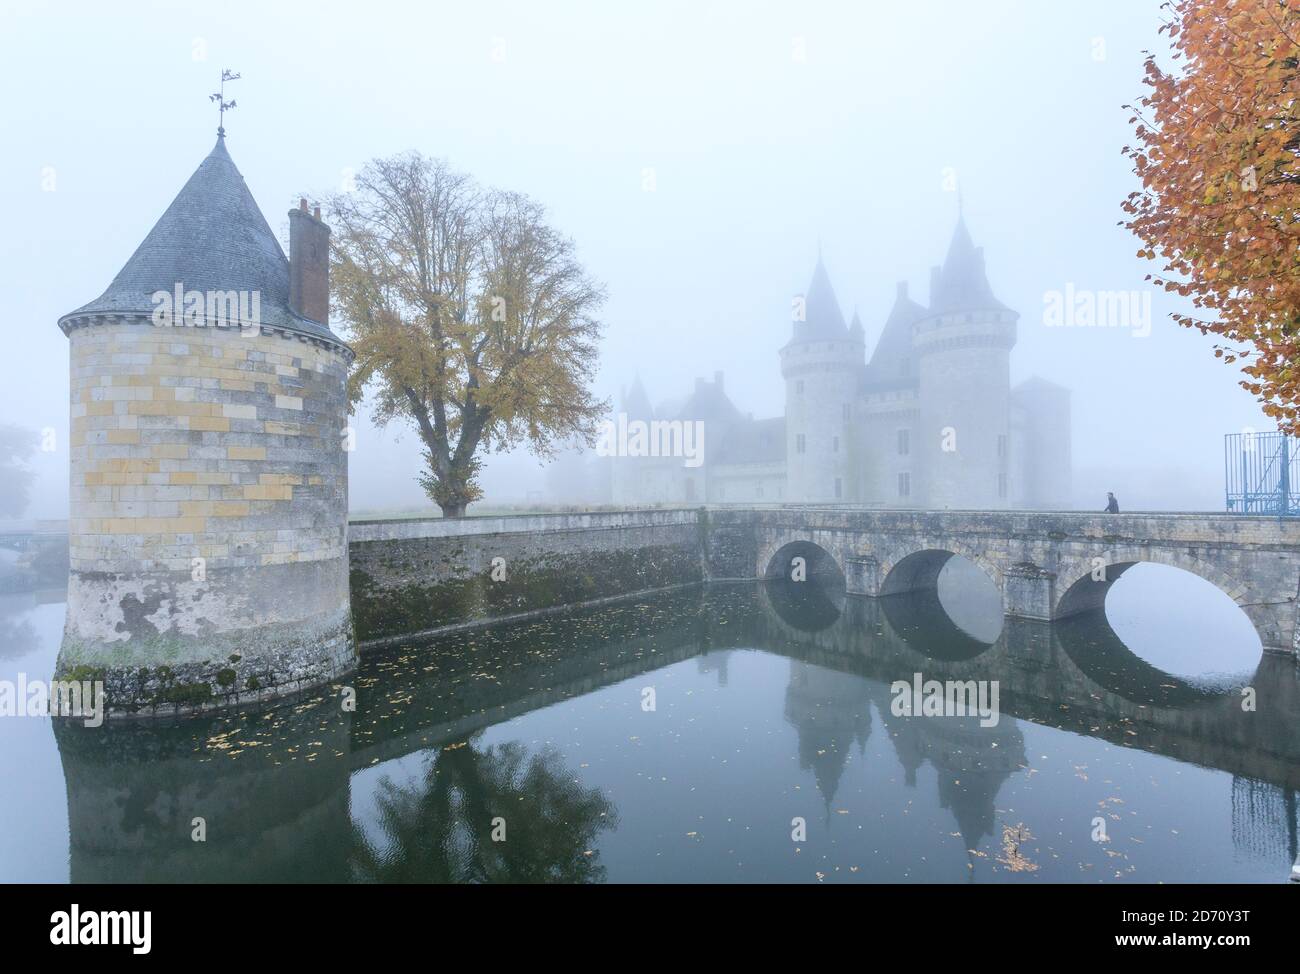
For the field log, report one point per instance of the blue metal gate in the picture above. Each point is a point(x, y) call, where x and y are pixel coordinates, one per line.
point(1262, 473)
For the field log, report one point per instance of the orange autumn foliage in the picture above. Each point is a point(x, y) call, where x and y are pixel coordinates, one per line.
point(1218, 153)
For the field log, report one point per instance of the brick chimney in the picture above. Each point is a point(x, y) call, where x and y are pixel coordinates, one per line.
point(309, 264)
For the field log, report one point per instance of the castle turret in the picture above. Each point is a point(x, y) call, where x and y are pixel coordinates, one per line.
point(628, 474)
point(821, 365)
point(208, 520)
point(963, 353)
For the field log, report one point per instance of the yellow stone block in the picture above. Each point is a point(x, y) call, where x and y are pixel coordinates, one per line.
point(150, 408)
point(262, 492)
point(210, 424)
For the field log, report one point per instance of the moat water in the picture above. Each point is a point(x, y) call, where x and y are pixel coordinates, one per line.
point(729, 734)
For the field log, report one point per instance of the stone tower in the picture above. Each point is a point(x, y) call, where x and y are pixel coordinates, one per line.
point(628, 475)
point(963, 347)
point(208, 520)
point(821, 365)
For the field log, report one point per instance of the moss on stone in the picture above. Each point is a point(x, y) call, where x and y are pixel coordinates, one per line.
point(185, 694)
point(82, 673)
point(544, 581)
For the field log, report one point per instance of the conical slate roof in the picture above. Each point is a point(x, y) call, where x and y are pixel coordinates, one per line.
point(961, 285)
point(212, 237)
point(891, 363)
point(822, 316)
point(636, 403)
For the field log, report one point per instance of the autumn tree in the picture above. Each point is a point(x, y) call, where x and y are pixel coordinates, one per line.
point(470, 317)
point(1218, 136)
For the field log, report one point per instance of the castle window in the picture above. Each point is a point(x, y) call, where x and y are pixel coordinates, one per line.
point(846, 409)
point(798, 387)
point(758, 491)
point(722, 492)
point(799, 443)
point(835, 444)
point(904, 442)
point(839, 488)
point(1002, 485)
point(904, 484)
point(1002, 444)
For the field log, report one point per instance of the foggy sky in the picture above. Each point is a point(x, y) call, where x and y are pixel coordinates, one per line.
point(758, 154)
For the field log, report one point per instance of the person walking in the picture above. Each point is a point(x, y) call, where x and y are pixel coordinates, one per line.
point(1112, 505)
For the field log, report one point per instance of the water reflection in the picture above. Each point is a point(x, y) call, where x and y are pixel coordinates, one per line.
point(1095, 648)
point(486, 814)
point(920, 619)
point(758, 687)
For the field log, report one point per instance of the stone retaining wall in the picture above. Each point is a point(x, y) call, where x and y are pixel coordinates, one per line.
point(416, 576)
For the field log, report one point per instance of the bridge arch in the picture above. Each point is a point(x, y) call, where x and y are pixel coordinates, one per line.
point(952, 624)
point(822, 557)
point(1083, 588)
point(912, 569)
point(1079, 590)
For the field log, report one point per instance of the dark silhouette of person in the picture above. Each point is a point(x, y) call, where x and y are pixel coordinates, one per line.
point(1112, 505)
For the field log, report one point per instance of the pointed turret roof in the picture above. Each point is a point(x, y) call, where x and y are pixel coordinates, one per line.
point(636, 403)
point(822, 316)
point(212, 237)
point(961, 284)
point(890, 364)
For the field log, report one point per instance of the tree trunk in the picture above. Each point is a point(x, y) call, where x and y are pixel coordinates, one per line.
point(453, 508)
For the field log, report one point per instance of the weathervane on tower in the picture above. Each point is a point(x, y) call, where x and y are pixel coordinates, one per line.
point(220, 98)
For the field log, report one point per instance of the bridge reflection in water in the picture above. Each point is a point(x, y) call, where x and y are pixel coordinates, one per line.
point(279, 790)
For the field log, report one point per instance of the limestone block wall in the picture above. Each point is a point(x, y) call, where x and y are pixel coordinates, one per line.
point(208, 514)
point(416, 576)
point(884, 415)
point(965, 379)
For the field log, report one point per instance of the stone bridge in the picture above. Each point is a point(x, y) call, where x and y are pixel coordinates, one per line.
point(1046, 565)
point(424, 576)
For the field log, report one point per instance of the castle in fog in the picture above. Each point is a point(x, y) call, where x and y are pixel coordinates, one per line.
point(929, 420)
